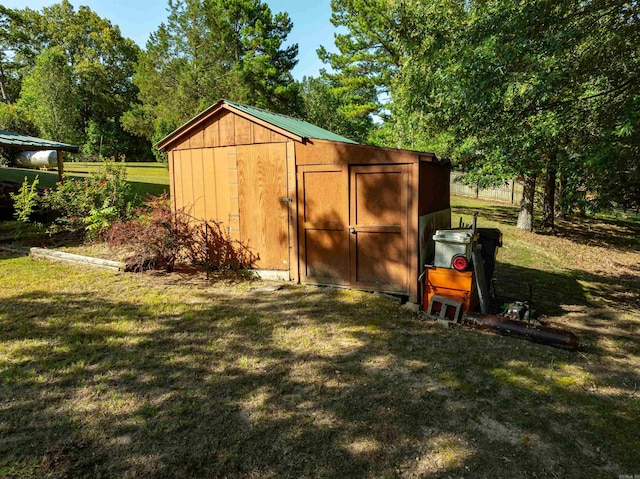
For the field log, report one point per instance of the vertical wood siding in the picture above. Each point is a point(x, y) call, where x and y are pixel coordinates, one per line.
point(228, 129)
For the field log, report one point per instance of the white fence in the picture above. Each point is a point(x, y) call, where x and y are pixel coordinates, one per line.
point(511, 192)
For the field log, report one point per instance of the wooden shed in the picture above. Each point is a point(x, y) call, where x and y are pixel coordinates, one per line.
point(313, 206)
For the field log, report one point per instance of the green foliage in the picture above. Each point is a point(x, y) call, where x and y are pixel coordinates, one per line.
point(368, 56)
point(48, 97)
point(25, 204)
point(326, 105)
point(504, 88)
point(100, 219)
point(25, 201)
point(72, 73)
point(612, 178)
point(11, 119)
point(10, 69)
point(210, 50)
point(88, 204)
point(162, 129)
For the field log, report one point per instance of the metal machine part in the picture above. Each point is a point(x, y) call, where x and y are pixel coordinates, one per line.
point(448, 312)
point(536, 333)
point(518, 311)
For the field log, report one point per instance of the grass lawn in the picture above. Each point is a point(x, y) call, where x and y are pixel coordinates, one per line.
point(145, 178)
point(154, 375)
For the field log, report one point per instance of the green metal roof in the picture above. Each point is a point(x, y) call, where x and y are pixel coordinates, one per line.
point(10, 139)
point(292, 125)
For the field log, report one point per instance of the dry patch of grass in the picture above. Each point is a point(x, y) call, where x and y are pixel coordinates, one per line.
point(157, 375)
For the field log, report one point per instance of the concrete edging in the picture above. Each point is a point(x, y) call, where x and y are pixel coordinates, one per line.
point(20, 251)
point(43, 253)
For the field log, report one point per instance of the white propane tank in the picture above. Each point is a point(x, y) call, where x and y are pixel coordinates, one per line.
point(37, 159)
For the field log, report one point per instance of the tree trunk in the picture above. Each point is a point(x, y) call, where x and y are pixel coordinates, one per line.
point(525, 217)
point(563, 207)
point(3, 89)
point(549, 204)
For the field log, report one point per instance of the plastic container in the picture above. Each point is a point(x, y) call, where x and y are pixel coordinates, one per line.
point(450, 243)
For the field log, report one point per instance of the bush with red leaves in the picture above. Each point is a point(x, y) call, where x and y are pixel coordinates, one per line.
point(157, 238)
point(213, 246)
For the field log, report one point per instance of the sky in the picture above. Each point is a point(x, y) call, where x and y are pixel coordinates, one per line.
point(137, 19)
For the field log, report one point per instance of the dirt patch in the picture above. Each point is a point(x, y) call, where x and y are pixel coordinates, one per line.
point(441, 452)
point(497, 431)
point(69, 458)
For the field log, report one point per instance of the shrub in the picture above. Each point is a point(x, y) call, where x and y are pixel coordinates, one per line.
point(100, 219)
point(157, 238)
point(25, 204)
point(25, 201)
point(213, 246)
point(89, 204)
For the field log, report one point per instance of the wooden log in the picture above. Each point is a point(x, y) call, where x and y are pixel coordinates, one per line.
point(44, 253)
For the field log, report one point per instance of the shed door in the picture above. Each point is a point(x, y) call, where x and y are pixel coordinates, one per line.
point(262, 185)
point(323, 224)
point(378, 227)
point(353, 226)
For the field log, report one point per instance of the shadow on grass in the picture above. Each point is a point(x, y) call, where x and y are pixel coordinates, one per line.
point(302, 382)
point(503, 214)
point(553, 291)
point(609, 233)
point(616, 234)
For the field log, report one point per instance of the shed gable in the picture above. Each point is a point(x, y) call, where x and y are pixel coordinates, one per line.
point(227, 129)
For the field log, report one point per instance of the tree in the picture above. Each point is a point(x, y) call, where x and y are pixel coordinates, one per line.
point(330, 108)
point(210, 50)
point(101, 63)
point(504, 88)
point(13, 120)
point(482, 87)
point(5, 39)
point(563, 75)
point(12, 39)
point(368, 57)
point(49, 98)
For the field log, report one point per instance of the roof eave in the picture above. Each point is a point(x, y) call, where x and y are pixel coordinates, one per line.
point(423, 155)
point(188, 125)
point(19, 141)
point(67, 148)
